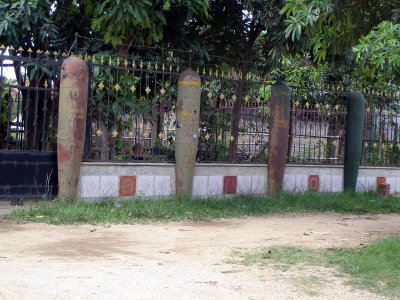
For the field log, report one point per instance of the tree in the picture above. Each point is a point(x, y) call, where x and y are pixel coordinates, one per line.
point(379, 52)
point(143, 22)
point(330, 28)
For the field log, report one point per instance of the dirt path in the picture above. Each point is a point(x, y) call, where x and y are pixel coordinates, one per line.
point(178, 260)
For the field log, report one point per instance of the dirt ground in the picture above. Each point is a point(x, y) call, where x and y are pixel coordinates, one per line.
point(179, 260)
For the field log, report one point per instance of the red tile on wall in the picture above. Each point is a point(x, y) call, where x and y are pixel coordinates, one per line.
point(313, 183)
point(127, 185)
point(380, 180)
point(230, 183)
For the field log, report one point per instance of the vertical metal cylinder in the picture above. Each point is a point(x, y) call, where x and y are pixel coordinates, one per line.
point(353, 141)
point(278, 136)
point(71, 125)
point(187, 128)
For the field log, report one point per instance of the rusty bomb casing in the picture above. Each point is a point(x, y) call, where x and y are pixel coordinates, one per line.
point(187, 130)
point(71, 124)
point(278, 136)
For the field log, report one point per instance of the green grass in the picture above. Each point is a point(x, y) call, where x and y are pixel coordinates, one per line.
point(375, 267)
point(180, 209)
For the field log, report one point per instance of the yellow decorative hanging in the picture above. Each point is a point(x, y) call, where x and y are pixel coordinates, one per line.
point(163, 67)
point(30, 51)
point(117, 61)
point(327, 106)
point(368, 110)
point(220, 137)
point(156, 66)
point(177, 69)
point(148, 66)
point(296, 103)
point(222, 96)
point(115, 133)
point(99, 132)
point(147, 90)
point(231, 138)
point(47, 52)
point(307, 104)
point(374, 145)
point(131, 134)
point(12, 48)
point(145, 135)
point(102, 59)
point(20, 49)
point(117, 87)
point(207, 137)
point(55, 53)
point(133, 64)
point(246, 99)
point(162, 91)
point(170, 68)
point(37, 51)
point(160, 135)
point(210, 73)
point(334, 143)
point(366, 145)
point(204, 71)
point(110, 61)
point(101, 85)
point(2, 46)
point(141, 64)
point(27, 82)
point(234, 98)
point(258, 99)
point(337, 107)
point(133, 88)
point(317, 106)
point(216, 73)
point(126, 63)
point(46, 84)
point(209, 95)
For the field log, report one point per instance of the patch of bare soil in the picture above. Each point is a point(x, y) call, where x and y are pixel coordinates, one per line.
point(179, 260)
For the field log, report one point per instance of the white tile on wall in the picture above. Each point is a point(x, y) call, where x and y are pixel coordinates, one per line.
point(289, 183)
point(392, 182)
point(162, 185)
point(145, 185)
point(325, 183)
point(244, 185)
point(360, 185)
point(215, 185)
point(258, 184)
point(397, 190)
point(90, 187)
point(337, 183)
point(301, 183)
point(200, 185)
point(370, 183)
point(109, 186)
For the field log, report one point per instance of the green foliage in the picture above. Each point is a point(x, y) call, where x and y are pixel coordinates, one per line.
point(375, 267)
point(379, 51)
point(139, 21)
point(145, 210)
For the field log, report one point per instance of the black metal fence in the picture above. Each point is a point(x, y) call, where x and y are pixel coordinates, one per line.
point(29, 102)
point(131, 113)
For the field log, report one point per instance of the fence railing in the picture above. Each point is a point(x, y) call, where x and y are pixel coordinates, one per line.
point(131, 114)
point(28, 102)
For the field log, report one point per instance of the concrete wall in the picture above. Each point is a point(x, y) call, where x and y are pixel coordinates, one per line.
point(105, 180)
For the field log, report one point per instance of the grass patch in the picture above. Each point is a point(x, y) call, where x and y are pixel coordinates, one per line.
point(181, 209)
point(375, 267)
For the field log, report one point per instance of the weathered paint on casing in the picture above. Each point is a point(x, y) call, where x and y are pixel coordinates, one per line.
point(187, 130)
point(353, 139)
point(278, 136)
point(71, 124)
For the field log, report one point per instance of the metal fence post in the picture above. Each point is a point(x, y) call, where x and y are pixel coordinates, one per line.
point(187, 130)
point(71, 124)
point(278, 136)
point(353, 140)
